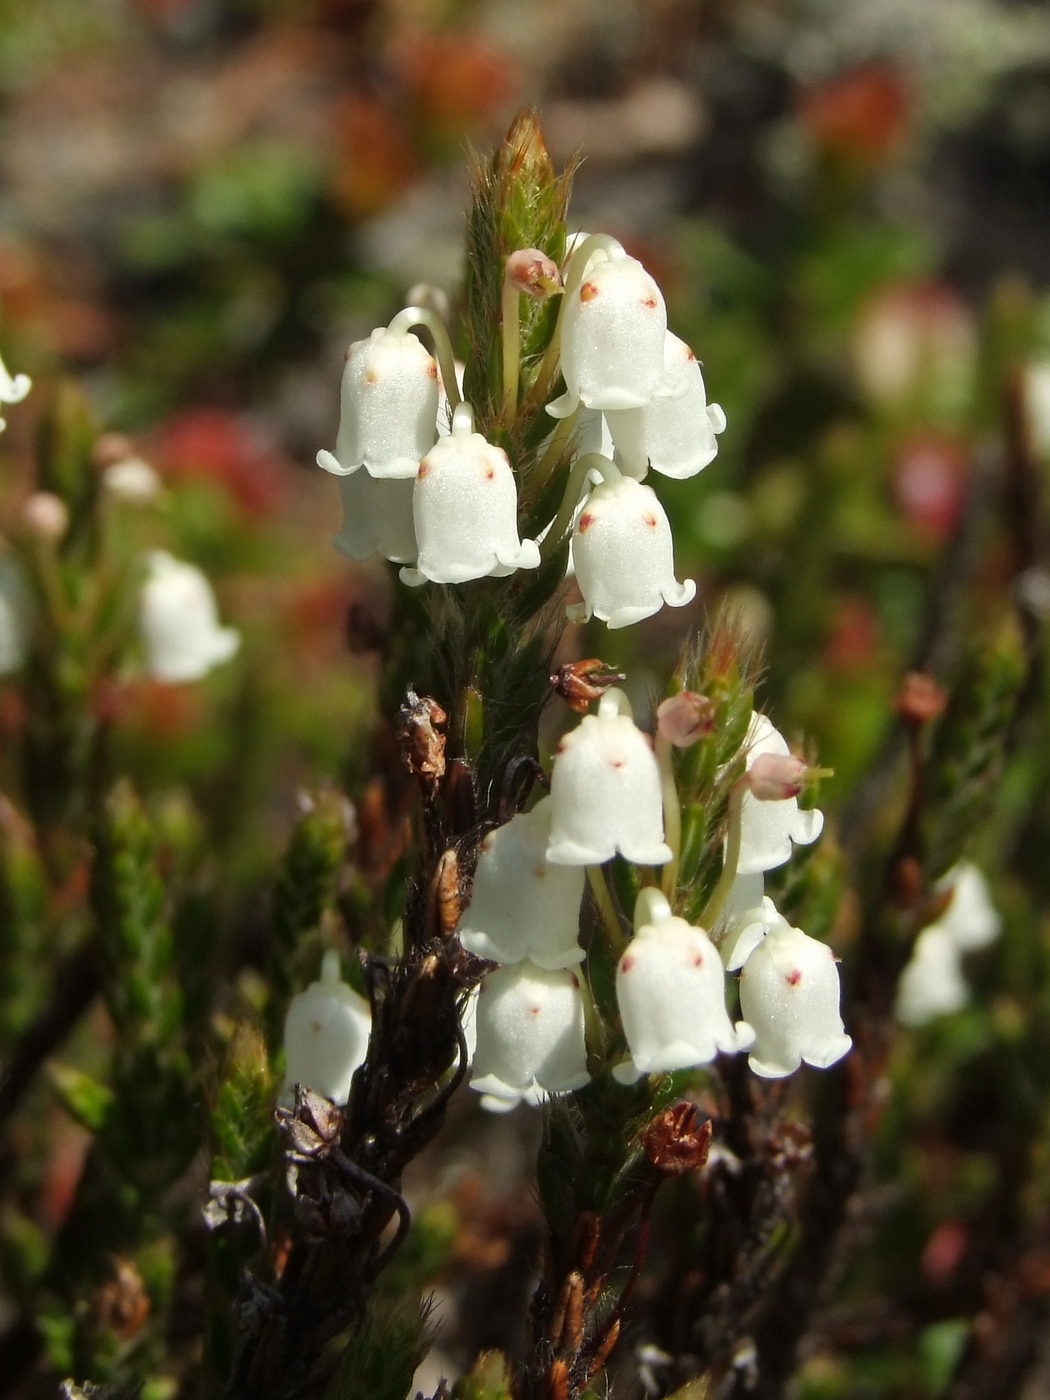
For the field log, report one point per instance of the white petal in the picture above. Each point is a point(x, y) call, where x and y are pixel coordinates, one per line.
point(179, 623)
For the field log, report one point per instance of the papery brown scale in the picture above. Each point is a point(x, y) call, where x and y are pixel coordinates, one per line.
point(580, 682)
point(676, 1142)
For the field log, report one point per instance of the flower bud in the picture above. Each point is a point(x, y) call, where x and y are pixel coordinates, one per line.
point(670, 987)
point(465, 507)
point(377, 518)
point(624, 556)
point(769, 826)
point(684, 718)
point(531, 271)
point(612, 346)
point(774, 777)
point(605, 791)
point(530, 1035)
point(789, 993)
point(179, 622)
point(388, 407)
point(675, 432)
point(46, 515)
point(522, 905)
point(326, 1035)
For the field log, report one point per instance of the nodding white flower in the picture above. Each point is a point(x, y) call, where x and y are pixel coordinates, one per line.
point(613, 325)
point(970, 918)
point(747, 916)
point(624, 556)
point(465, 506)
point(675, 432)
point(789, 993)
point(932, 984)
point(13, 389)
point(670, 986)
point(530, 1029)
point(326, 1035)
point(605, 791)
point(522, 906)
point(388, 406)
point(132, 480)
point(14, 616)
point(179, 622)
point(769, 828)
point(377, 518)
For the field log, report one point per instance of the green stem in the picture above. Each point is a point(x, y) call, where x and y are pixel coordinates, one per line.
point(562, 522)
point(672, 816)
point(423, 316)
point(720, 893)
point(511, 318)
point(606, 912)
point(553, 452)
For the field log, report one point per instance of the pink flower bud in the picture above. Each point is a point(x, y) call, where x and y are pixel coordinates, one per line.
point(46, 515)
point(774, 777)
point(684, 718)
point(531, 271)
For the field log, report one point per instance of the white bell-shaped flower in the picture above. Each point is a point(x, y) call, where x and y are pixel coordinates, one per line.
point(675, 432)
point(613, 325)
point(624, 556)
point(13, 389)
point(932, 984)
point(670, 987)
point(14, 616)
point(465, 506)
point(522, 906)
point(767, 829)
point(388, 406)
point(326, 1035)
point(605, 791)
point(530, 1028)
point(970, 918)
point(179, 622)
point(377, 518)
point(789, 993)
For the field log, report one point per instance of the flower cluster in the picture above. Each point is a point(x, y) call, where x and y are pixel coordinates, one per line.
point(410, 475)
point(424, 489)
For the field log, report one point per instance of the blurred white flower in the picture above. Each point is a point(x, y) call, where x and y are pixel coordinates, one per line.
point(14, 616)
point(13, 389)
point(179, 622)
point(522, 905)
point(932, 984)
point(530, 1035)
point(326, 1035)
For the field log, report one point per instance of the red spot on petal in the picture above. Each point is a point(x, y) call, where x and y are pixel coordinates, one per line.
point(535, 1010)
point(650, 302)
point(616, 763)
point(627, 963)
point(432, 370)
point(585, 522)
point(539, 872)
point(423, 469)
point(649, 519)
point(371, 377)
point(794, 977)
point(490, 473)
point(698, 960)
point(588, 291)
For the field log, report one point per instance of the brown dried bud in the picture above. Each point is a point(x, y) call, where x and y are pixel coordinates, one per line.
point(422, 746)
point(580, 682)
point(676, 1142)
point(684, 718)
point(447, 902)
point(773, 777)
point(122, 1304)
point(920, 699)
point(531, 271)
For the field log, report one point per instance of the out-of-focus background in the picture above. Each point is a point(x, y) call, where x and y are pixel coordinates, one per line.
point(847, 203)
